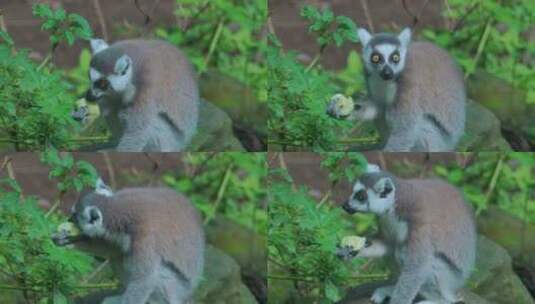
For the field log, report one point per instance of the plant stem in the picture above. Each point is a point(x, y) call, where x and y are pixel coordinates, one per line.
point(480, 47)
point(45, 61)
point(97, 286)
point(316, 58)
point(494, 180)
point(213, 45)
point(220, 194)
point(291, 278)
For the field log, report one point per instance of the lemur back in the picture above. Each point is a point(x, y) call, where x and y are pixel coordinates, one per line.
point(433, 85)
point(156, 107)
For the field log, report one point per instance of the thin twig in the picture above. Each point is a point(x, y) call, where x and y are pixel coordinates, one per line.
point(111, 171)
point(147, 17)
point(213, 46)
point(415, 18)
point(102, 21)
point(382, 161)
point(220, 194)
point(494, 179)
point(364, 4)
point(95, 272)
point(481, 47)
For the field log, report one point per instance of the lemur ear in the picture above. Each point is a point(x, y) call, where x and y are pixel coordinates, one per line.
point(372, 168)
point(122, 65)
point(98, 45)
point(102, 189)
point(364, 36)
point(405, 36)
point(384, 186)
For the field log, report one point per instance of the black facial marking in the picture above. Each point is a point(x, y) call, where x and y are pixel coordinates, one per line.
point(123, 72)
point(388, 188)
point(93, 216)
point(361, 195)
point(383, 38)
point(376, 58)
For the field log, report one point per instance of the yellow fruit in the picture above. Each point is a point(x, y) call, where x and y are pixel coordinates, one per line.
point(341, 105)
point(68, 229)
point(353, 241)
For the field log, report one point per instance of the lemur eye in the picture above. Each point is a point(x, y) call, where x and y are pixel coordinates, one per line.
point(361, 195)
point(395, 57)
point(102, 84)
point(376, 58)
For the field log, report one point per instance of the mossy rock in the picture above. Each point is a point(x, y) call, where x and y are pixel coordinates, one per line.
point(482, 131)
point(222, 283)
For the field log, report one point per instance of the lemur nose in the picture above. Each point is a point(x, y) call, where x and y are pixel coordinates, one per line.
point(387, 73)
point(347, 208)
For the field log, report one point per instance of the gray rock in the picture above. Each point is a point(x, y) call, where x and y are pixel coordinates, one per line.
point(214, 132)
point(362, 294)
point(482, 131)
point(222, 283)
point(494, 278)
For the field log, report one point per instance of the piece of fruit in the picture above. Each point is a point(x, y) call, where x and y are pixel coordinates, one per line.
point(68, 229)
point(354, 242)
point(340, 106)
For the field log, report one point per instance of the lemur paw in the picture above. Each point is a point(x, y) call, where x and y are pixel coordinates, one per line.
point(380, 294)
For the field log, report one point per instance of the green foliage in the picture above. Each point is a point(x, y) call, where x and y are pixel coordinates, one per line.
point(330, 29)
point(507, 181)
point(71, 175)
point(344, 165)
point(304, 232)
point(298, 95)
point(28, 258)
point(62, 26)
point(351, 78)
point(498, 30)
point(78, 75)
point(297, 101)
point(302, 242)
point(35, 104)
point(224, 35)
point(232, 184)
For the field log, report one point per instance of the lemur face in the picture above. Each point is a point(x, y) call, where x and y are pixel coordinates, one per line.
point(384, 55)
point(372, 193)
point(110, 71)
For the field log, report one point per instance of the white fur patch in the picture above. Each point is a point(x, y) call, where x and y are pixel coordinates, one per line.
point(94, 75)
point(120, 83)
point(372, 168)
point(386, 50)
point(405, 36)
point(102, 189)
point(98, 45)
point(364, 36)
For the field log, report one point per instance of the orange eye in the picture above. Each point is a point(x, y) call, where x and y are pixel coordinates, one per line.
point(102, 84)
point(395, 58)
point(376, 58)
